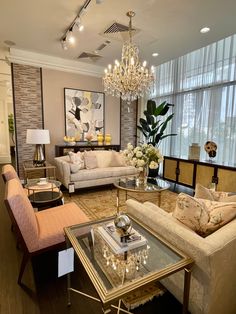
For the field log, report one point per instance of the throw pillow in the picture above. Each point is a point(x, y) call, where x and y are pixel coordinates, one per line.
point(103, 158)
point(77, 161)
point(202, 192)
point(90, 160)
point(211, 195)
point(117, 160)
point(220, 214)
point(192, 212)
point(203, 216)
point(230, 198)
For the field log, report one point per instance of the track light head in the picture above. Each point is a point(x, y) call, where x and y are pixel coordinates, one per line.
point(78, 24)
point(70, 36)
point(64, 44)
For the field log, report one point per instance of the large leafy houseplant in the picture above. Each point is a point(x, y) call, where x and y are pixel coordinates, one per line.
point(152, 127)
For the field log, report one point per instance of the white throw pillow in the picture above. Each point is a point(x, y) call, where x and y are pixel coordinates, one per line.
point(77, 161)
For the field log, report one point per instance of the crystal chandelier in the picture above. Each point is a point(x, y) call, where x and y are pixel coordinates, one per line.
point(129, 79)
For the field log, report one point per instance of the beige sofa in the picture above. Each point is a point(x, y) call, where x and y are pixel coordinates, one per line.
point(110, 167)
point(213, 281)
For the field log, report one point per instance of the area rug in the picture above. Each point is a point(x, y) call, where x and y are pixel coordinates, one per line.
point(101, 203)
point(141, 296)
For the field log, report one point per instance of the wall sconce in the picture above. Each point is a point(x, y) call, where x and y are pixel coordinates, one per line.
point(38, 137)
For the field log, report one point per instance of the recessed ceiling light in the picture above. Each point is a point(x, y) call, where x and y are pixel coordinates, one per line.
point(155, 54)
point(205, 30)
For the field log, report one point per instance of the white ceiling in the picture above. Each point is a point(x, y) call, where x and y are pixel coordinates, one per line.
point(169, 27)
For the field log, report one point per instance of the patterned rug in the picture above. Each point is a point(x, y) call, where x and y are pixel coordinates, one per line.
point(100, 203)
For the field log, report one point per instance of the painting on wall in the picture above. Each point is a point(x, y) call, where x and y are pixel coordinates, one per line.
point(84, 113)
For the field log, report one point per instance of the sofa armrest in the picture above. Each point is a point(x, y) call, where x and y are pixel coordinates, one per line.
point(63, 171)
point(170, 229)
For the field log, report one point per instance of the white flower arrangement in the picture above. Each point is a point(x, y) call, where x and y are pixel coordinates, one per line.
point(142, 155)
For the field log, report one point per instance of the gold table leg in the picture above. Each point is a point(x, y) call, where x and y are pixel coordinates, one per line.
point(187, 279)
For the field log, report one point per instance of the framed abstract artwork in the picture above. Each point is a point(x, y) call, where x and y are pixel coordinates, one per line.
point(84, 113)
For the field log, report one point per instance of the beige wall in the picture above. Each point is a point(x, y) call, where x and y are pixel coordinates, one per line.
point(54, 83)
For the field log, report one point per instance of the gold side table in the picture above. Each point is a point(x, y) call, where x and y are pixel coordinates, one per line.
point(32, 172)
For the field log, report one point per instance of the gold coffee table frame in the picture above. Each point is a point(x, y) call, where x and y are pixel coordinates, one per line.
point(129, 184)
point(81, 239)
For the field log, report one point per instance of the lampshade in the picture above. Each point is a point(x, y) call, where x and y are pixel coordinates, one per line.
point(37, 136)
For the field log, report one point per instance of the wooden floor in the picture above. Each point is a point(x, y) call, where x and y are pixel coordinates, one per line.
point(44, 293)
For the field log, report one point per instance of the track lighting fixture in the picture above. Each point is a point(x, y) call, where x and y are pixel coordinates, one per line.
point(68, 37)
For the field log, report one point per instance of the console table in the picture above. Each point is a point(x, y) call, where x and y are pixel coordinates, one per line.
point(189, 172)
point(64, 149)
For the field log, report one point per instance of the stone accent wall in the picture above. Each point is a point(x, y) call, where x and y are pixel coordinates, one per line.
point(128, 124)
point(28, 108)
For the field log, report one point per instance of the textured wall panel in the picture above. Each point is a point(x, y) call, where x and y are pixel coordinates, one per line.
point(128, 124)
point(28, 108)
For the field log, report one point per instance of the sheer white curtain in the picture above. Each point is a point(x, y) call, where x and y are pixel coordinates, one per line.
point(202, 86)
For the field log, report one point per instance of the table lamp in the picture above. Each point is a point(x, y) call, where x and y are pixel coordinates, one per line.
point(38, 137)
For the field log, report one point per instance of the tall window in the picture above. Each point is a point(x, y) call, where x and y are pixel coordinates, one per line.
point(202, 86)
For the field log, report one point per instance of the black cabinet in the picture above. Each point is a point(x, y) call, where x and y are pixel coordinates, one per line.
point(189, 172)
point(62, 150)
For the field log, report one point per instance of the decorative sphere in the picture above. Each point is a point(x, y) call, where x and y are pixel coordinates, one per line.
point(122, 222)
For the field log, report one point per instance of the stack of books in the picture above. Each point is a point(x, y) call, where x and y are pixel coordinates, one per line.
point(114, 239)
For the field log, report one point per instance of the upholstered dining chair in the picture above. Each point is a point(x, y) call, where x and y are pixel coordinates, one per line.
point(9, 172)
point(38, 231)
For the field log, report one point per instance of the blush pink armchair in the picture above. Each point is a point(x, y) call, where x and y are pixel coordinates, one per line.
point(38, 231)
point(8, 173)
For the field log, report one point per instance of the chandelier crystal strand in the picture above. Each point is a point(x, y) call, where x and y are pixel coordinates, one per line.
point(129, 79)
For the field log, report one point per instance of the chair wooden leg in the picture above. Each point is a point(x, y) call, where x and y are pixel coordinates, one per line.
point(25, 259)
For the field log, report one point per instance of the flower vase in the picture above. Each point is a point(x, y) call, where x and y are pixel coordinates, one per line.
point(153, 173)
point(142, 177)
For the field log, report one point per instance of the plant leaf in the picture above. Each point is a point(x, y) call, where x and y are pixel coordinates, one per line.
point(150, 120)
point(151, 106)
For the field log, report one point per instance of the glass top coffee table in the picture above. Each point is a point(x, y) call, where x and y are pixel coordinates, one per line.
point(130, 184)
point(116, 270)
point(44, 194)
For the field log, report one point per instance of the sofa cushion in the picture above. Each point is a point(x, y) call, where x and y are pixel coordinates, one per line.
point(100, 173)
point(117, 160)
point(123, 171)
point(203, 216)
point(90, 160)
point(91, 174)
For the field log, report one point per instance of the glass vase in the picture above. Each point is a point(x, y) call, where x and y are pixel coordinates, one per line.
point(142, 176)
